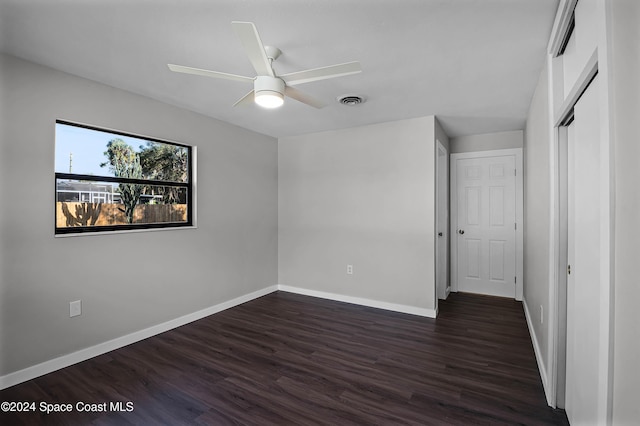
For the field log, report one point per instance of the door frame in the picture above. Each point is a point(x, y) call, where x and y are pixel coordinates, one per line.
point(453, 212)
point(555, 389)
point(447, 275)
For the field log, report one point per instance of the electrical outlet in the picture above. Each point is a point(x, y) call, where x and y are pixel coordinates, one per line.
point(349, 269)
point(541, 315)
point(75, 308)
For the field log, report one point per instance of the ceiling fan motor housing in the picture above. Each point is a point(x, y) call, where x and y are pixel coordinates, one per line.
point(264, 85)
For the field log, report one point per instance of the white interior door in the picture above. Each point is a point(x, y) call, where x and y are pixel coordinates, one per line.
point(486, 225)
point(584, 280)
point(442, 222)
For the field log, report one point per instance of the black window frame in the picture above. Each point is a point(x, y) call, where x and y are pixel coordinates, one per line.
point(111, 179)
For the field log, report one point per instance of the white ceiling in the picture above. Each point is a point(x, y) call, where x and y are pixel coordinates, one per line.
point(472, 63)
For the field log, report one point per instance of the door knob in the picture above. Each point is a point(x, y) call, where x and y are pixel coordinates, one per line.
point(461, 231)
point(439, 234)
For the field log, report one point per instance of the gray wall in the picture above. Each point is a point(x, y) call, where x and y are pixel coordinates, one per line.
point(487, 142)
point(361, 196)
point(536, 213)
point(625, 112)
point(127, 282)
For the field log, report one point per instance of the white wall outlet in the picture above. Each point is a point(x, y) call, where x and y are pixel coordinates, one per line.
point(349, 269)
point(541, 315)
point(75, 308)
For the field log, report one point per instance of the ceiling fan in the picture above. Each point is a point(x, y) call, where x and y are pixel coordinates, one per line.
point(270, 89)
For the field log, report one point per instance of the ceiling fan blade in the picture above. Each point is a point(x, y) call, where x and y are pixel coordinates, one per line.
point(250, 39)
point(303, 97)
point(323, 73)
point(207, 73)
point(245, 100)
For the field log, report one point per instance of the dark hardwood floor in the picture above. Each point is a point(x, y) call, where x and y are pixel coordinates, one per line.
point(290, 359)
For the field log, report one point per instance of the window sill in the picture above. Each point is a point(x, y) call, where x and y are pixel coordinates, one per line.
point(124, 231)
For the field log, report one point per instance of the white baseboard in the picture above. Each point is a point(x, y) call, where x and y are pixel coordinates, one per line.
point(46, 367)
point(430, 313)
point(536, 349)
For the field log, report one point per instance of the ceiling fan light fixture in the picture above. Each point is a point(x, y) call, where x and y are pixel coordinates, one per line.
point(269, 91)
point(269, 99)
point(269, 88)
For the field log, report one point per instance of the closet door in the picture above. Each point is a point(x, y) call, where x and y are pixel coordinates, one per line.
point(584, 272)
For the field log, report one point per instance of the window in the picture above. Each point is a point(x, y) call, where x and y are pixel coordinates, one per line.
point(111, 181)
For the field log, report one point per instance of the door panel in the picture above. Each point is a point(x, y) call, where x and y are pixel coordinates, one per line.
point(473, 258)
point(496, 206)
point(486, 206)
point(583, 283)
point(473, 205)
point(496, 256)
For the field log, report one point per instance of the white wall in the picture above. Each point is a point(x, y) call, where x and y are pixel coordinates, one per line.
point(537, 224)
point(626, 110)
point(131, 281)
point(487, 142)
point(362, 196)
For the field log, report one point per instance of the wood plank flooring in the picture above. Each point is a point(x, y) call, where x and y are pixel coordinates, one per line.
point(287, 359)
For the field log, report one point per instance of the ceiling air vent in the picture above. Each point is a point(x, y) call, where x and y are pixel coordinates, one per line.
point(351, 100)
